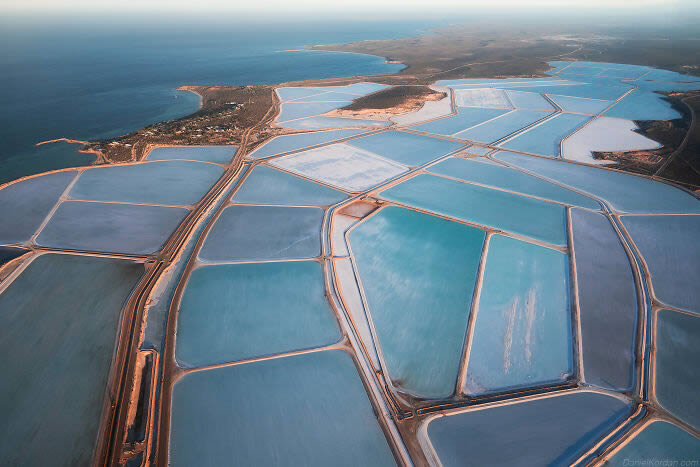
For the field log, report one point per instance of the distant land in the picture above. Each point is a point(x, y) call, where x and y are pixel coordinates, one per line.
point(468, 51)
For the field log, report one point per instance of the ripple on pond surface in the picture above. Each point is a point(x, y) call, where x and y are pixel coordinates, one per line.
point(522, 332)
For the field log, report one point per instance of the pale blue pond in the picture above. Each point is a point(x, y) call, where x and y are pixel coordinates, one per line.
point(170, 182)
point(529, 100)
point(545, 138)
point(466, 117)
point(410, 265)
point(624, 192)
point(667, 75)
point(590, 91)
point(615, 70)
point(498, 176)
point(607, 302)
point(288, 143)
point(60, 318)
point(234, 312)
point(539, 432)
point(598, 80)
point(677, 354)
point(667, 85)
point(580, 105)
point(113, 228)
point(309, 410)
point(493, 208)
point(503, 126)
point(319, 123)
point(24, 205)
point(406, 148)
point(266, 185)
point(362, 88)
point(329, 96)
point(522, 332)
point(217, 154)
point(495, 81)
point(245, 233)
point(658, 440)
point(288, 94)
point(643, 105)
point(669, 245)
point(294, 110)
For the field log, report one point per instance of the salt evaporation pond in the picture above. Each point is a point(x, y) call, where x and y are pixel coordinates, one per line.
point(309, 409)
point(266, 185)
point(240, 311)
point(60, 318)
point(422, 349)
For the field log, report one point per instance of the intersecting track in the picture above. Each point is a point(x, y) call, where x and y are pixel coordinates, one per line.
point(396, 415)
point(391, 409)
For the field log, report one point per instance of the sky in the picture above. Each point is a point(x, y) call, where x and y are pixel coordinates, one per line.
point(649, 12)
point(344, 5)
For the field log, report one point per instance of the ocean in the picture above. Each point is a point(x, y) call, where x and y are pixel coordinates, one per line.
point(85, 80)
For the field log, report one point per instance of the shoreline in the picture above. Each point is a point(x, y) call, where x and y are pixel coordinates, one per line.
point(190, 88)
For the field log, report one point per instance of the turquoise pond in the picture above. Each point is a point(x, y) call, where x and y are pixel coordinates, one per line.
point(319, 123)
point(548, 437)
point(422, 349)
point(529, 100)
point(498, 176)
point(288, 143)
point(216, 154)
point(545, 138)
point(492, 208)
point(580, 105)
point(266, 185)
point(235, 312)
point(674, 261)
point(501, 127)
point(607, 302)
point(307, 410)
point(466, 117)
point(169, 182)
point(677, 353)
point(406, 148)
point(522, 332)
point(24, 205)
point(626, 193)
point(109, 227)
point(658, 440)
point(245, 233)
point(57, 343)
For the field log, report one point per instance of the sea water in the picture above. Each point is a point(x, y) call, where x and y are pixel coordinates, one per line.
point(87, 79)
